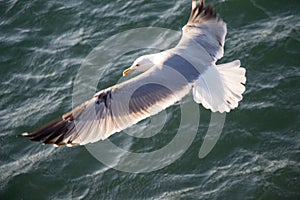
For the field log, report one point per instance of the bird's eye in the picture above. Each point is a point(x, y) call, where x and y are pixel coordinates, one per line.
point(137, 65)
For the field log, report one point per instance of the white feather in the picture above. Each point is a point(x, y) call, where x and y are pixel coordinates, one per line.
point(220, 87)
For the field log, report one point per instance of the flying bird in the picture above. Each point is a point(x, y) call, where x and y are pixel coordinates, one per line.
point(167, 77)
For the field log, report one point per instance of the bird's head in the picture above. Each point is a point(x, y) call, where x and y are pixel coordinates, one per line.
point(141, 64)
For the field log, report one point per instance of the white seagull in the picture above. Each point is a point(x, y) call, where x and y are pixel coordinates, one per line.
point(167, 77)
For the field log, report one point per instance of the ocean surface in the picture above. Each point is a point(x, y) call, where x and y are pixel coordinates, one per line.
point(42, 47)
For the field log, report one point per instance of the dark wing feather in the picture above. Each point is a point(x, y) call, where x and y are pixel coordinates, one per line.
point(204, 31)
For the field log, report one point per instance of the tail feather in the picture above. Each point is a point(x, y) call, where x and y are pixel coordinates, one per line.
point(220, 87)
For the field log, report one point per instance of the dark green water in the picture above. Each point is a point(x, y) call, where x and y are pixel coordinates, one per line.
point(42, 45)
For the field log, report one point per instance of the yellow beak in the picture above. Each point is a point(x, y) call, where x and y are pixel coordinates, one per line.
point(127, 71)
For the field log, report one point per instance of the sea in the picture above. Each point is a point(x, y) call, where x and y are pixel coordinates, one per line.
point(46, 50)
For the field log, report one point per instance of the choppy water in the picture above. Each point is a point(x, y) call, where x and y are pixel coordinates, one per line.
point(42, 45)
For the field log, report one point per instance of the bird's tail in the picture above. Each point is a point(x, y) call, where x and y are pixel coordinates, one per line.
point(220, 87)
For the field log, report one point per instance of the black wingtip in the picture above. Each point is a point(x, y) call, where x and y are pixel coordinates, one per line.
point(52, 133)
point(200, 12)
point(202, 3)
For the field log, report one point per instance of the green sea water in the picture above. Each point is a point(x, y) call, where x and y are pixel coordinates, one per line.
point(42, 46)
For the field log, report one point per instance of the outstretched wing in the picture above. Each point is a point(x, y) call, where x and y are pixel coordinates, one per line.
point(114, 109)
point(204, 32)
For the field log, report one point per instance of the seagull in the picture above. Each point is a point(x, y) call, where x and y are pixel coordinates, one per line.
point(166, 78)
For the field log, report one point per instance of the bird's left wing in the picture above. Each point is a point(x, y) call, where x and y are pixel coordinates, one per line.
point(114, 109)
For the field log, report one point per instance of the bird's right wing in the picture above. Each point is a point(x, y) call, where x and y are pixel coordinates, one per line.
point(204, 33)
point(115, 108)
point(218, 87)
